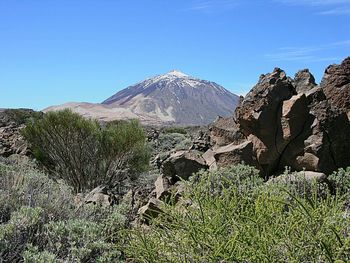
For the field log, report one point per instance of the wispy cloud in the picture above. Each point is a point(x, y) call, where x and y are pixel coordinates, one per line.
point(335, 11)
point(323, 7)
point(308, 54)
point(212, 6)
point(315, 2)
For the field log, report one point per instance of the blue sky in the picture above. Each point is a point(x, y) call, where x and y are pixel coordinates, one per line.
point(53, 52)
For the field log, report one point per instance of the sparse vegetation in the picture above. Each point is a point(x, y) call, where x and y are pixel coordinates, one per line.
point(83, 153)
point(42, 222)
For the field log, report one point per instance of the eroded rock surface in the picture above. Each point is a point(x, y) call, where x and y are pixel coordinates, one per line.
point(336, 85)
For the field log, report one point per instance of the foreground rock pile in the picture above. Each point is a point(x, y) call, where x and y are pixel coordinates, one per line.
point(281, 122)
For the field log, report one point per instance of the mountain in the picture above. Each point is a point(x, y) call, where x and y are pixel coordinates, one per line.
point(172, 98)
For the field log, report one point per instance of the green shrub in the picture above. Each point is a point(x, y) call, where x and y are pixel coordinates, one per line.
point(73, 240)
point(78, 241)
point(180, 130)
point(231, 216)
point(240, 178)
point(23, 185)
point(83, 153)
point(299, 185)
point(340, 180)
point(183, 145)
point(15, 234)
point(33, 255)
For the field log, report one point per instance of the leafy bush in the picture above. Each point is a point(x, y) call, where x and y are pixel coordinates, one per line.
point(82, 240)
point(15, 234)
point(23, 185)
point(231, 216)
point(85, 154)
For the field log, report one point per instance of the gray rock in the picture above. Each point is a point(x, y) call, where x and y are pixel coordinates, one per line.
point(234, 154)
point(304, 81)
point(151, 210)
point(100, 196)
point(183, 164)
point(308, 176)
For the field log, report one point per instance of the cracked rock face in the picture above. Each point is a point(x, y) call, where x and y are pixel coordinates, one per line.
point(259, 116)
point(294, 123)
point(336, 85)
point(322, 144)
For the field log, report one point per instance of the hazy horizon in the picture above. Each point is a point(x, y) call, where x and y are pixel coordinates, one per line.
point(53, 52)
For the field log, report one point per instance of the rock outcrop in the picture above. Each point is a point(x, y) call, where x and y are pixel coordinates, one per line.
point(336, 85)
point(292, 123)
point(259, 117)
point(151, 210)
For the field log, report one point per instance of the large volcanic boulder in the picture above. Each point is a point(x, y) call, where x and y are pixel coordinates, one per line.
point(259, 116)
point(336, 85)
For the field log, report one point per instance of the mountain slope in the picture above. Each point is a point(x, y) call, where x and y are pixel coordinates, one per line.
point(176, 97)
point(172, 98)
